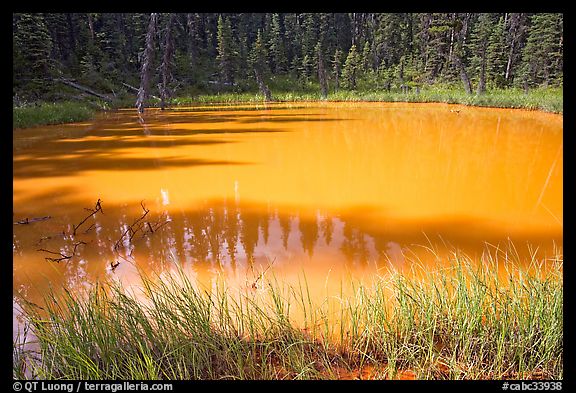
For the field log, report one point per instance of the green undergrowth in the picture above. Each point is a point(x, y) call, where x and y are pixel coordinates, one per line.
point(51, 113)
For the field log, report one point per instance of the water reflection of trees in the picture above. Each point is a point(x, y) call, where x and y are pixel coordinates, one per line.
point(221, 235)
point(230, 235)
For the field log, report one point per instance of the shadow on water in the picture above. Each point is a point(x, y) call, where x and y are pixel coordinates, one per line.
point(69, 156)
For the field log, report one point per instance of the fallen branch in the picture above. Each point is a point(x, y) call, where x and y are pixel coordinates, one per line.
point(136, 90)
point(84, 89)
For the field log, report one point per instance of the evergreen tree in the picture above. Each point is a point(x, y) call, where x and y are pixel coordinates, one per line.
point(336, 66)
point(350, 69)
point(321, 71)
point(32, 46)
point(225, 49)
point(106, 51)
point(309, 36)
point(305, 70)
point(276, 45)
point(258, 55)
point(168, 54)
point(479, 42)
point(542, 55)
point(258, 63)
point(496, 58)
point(366, 58)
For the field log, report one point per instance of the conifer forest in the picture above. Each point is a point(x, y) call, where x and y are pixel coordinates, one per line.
point(184, 53)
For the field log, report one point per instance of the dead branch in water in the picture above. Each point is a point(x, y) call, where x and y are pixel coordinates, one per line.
point(62, 255)
point(114, 264)
point(153, 227)
point(31, 220)
point(90, 228)
point(131, 227)
point(97, 208)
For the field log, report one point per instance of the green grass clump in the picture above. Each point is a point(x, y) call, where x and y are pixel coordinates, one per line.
point(460, 320)
point(51, 113)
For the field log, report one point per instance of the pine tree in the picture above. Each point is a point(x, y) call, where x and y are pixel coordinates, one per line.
point(350, 69)
point(309, 35)
point(225, 50)
point(336, 66)
point(307, 66)
point(366, 58)
point(258, 55)
point(276, 45)
point(496, 58)
point(31, 54)
point(168, 54)
point(321, 71)
point(542, 55)
point(258, 63)
point(478, 44)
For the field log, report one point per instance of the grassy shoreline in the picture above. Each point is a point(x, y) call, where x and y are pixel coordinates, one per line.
point(461, 321)
point(48, 113)
point(548, 100)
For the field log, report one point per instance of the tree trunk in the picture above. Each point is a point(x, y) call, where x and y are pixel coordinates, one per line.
point(146, 63)
point(456, 53)
point(482, 77)
point(463, 74)
point(263, 88)
point(91, 25)
point(514, 36)
point(190, 24)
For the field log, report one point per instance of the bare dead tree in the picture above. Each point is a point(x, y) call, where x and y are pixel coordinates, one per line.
point(166, 62)
point(146, 63)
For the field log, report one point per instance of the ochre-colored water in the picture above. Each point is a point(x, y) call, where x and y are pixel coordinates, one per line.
point(328, 189)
